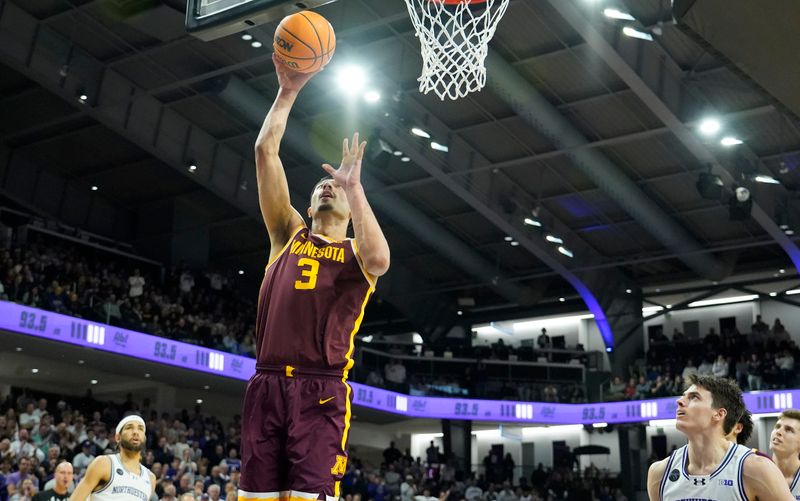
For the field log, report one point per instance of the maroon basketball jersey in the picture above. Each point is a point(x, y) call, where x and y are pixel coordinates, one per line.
point(311, 303)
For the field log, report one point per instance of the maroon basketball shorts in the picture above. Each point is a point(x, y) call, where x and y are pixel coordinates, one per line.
point(295, 426)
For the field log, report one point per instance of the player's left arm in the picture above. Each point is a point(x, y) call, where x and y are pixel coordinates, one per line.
point(763, 480)
point(372, 246)
point(152, 483)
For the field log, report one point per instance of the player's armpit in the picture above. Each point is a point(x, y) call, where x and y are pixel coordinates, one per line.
point(654, 476)
point(763, 480)
point(98, 473)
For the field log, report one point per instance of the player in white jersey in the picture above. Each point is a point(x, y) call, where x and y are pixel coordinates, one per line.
point(121, 476)
point(785, 444)
point(710, 467)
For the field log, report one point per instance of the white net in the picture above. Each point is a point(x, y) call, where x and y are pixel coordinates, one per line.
point(454, 39)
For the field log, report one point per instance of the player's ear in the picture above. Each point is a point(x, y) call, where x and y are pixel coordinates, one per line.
point(308, 211)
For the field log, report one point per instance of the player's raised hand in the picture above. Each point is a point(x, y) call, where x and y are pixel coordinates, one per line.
point(348, 174)
point(289, 79)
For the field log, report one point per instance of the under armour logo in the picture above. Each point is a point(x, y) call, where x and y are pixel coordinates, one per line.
point(699, 481)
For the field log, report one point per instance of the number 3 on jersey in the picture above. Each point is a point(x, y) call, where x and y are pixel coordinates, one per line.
point(310, 268)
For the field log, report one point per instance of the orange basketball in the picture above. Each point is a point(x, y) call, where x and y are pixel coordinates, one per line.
point(304, 41)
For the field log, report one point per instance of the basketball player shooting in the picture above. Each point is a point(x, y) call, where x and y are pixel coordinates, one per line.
point(785, 444)
point(296, 412)
point(121, 476)
point(710, 467)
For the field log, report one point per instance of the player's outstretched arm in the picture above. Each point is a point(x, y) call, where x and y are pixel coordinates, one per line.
point(372, 246)
point(654, 476)
point(763, 481)
point(273, 190)
point(97, 473)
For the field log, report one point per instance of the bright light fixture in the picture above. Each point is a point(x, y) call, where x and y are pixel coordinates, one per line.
point(730, 141)
point(256, 44)
point(634, 33)
point(439, 147)
point(618, 14)
point(508, 238)
point(792, 292)
point(397, 153)
point(94, 381)
point(95, 188)
point(532, 222)
point(652, 309)
point(372, 96)
point(628, 291)
point(789, 232)
point(199, 400)
point(782, 271)
point(599, 425)
point(561, 299)
point(723, 300)
point(35, 371)
point(554, 239)
point(766, 179)
point(83, 98)
point(421, 133)
point(710, 126)
point(241, 272)
point(773, 294)
point(565, 251)
point(192, 168)
point(247, 37)
point(405, 159)
point(352, 78)
point(514, 243)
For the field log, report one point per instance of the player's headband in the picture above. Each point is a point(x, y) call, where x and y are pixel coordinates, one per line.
point(129, 419)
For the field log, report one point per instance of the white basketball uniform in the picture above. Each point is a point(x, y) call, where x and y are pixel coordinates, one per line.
point(724, 484)
point(124, 485)
point(795, 485)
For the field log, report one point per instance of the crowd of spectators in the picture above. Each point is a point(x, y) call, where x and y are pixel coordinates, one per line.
point(762, 359)
point(193, 456)
point(198, 308)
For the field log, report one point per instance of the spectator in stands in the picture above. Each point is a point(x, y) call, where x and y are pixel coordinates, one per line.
point(688, 371)
point(395, 375)
point(136, 284)
point(81, 460)
point(186, 282)
point(616, 389)
point(720, 366)
point(26, 492)
point(407, 490)
point(23, 448)
point(760, 325)
point(705, 368)
point(392, 454)
point(643, 388)
point(62, 485)
point(29, 419)
point(755, 371)
point(14, 480)
point(779, 333)
point(785, 363)
point(543, 341)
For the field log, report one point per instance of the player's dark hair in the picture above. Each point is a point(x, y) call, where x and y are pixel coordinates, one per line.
point(747, 428)
point(725, 394)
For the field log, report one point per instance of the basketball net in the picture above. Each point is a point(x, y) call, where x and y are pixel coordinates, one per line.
point(455, 40)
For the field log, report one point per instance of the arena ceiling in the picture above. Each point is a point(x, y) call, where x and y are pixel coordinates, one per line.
point(623, 198)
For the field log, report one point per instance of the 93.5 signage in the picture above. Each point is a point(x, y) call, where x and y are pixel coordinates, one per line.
point(165, 350)
point(32, 321)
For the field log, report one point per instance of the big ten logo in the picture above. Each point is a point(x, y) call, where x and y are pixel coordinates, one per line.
point(726, 482)
point(283, 44)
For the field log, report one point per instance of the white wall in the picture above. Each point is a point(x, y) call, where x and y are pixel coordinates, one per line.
point(512, 332)
point(707, 317)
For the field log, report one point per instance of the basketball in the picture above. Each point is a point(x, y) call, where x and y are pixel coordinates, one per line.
point(305, 41)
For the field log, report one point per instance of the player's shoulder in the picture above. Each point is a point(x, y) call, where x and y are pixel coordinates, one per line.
point(657, 469)
point(756, 464)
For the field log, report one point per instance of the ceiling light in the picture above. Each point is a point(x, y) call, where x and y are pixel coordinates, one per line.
point(192, 168)
point(554, 239)
point(147, 375)
point(565, 251)
point(372, 96)
point(421, 133)
point(789, 232)
point(792, 292)
point(256, 44)
point(773, 294)
point(206, 387)
point(508, 239)
point(459, 313)
point(83, 98)
point(199, 400)
point(710, 126)
point(19, 348)
point(405, 159)
point(634, 33)
point(95, 188)
point(352, 78)
point(80, 362)
point(397, 153)
point(247, 37)
point(766, 179)
point(561, 299)
point(618, 14)
point(241, 272)
point(628, 291)
point(723, 300)
point(784, 226)
point(781, 271)
point(599, 425)
point(730, 141)
point(652, 309)
point(35, 371)
point(532, 222)
point(439, 147)
point(609, 349)
point(514, 243)
point(94, 381)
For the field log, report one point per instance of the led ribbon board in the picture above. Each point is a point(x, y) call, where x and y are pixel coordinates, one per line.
point(79, 332)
